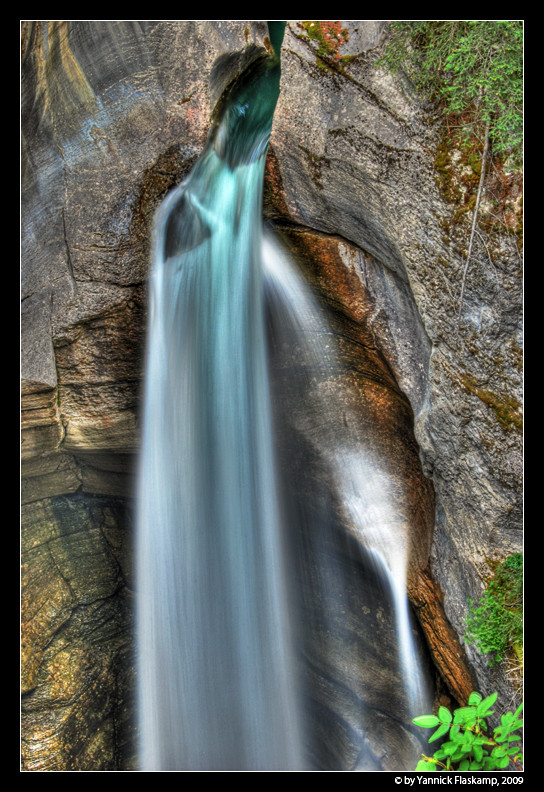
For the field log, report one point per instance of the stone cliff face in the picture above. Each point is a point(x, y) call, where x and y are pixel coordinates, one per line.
point(365, 189)
point(366, 165)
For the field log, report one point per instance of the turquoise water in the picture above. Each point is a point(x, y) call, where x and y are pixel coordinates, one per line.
point(217, 687)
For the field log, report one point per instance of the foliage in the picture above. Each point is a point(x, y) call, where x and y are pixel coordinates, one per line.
point(467, 746)
point(497, 622)
point(474, 67)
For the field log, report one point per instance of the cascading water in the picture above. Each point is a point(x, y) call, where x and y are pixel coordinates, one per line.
point(216, 688)
point(362, 482)
point(218, 680)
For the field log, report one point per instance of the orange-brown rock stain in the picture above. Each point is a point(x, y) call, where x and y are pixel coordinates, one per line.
point(332, 269)
point(444, 645)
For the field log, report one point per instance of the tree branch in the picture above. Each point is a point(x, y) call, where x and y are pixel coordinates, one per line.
point(473, 231)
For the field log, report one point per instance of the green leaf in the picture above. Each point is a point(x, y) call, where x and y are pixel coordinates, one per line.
point(448, 748)
point(512, 749)
point(518, 724)
point(426, 721)
point(458, 737)
point(442, 729)
point(426, 765)
point(483, 708)
point(464, 715)
point(502, 733)
point(460, 753)
point(444, 715)
point(474, 698)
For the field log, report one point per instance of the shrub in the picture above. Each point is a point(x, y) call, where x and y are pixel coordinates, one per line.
point(467, 745)
point(496, 623)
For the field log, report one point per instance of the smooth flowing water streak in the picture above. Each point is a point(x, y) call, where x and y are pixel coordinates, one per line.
point(215, 670)
point(362, 482)
point(369, 500)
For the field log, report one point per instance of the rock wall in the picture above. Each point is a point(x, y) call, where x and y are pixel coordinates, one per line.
point(360, 182)
point(363, 161)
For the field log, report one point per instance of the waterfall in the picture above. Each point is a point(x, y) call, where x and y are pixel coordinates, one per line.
point(218, 683)
point(363, 482)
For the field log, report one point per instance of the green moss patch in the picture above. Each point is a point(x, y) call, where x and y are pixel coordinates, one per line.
point(507, 409)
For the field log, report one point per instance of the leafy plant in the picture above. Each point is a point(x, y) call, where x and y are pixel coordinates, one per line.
point(467, 745)
point(473, 67)
point(496, 623)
